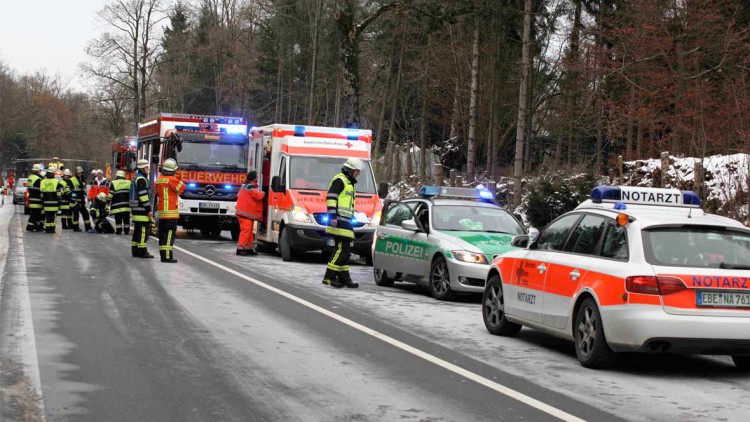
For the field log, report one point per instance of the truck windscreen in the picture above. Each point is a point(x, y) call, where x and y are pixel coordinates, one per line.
point(213, 156)
point(317, 172)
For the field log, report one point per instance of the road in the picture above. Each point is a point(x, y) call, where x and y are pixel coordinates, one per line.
point(88, 333)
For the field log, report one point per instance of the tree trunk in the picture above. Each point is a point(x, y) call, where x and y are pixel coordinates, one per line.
point(423, 123)
point(471, 154)
point(522, 106)
point(318, 5)
point(397, 89)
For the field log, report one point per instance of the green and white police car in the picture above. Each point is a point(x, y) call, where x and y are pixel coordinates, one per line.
point(444, 239)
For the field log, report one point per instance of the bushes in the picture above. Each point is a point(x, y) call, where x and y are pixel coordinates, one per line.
point(555, 195)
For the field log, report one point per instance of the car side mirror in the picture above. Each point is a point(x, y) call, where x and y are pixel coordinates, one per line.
point(533, 233)
point(520, 241)
point(410, 225)
point(383, 190)
point(276, 185)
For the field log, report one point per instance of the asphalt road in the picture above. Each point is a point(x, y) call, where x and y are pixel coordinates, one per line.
point(88, 333)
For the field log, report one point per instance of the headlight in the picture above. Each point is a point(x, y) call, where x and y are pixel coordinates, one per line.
point(375, 220)
point(299, 214)
point(466, 256)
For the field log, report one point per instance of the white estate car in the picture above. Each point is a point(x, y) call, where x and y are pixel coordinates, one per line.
point(631, 269)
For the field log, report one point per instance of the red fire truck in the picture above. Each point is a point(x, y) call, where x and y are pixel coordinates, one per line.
point(124, 153)
point(211, 153)
point(298, 163)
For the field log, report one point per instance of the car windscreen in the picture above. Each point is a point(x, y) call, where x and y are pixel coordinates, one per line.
point(475, 219)
point(698, 247)
point(317, 172)
point(213, 156)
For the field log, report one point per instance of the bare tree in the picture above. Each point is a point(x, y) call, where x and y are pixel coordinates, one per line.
point(522, 106)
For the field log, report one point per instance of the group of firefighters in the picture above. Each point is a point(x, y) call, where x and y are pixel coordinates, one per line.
point(122, 198)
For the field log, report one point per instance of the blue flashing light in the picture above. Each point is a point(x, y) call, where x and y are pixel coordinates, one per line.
point(620, 206)
point(324, 219)
point(133, 143)
point(236, 129)
point(227, 187)
point(299, 131)
point(485, 194)
point(352, 135)
point(429, 191)
point(604, 193)
point(354, 220)
point(192, 185)
point(690, 198)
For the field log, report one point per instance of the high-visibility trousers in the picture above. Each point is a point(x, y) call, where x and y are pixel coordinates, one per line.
point(247, 239)
point(50, 221)
point(167, 230)
point(338, 264)
point(140, 235)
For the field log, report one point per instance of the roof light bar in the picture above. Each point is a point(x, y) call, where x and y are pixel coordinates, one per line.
point(459, 193)
point(645, 196)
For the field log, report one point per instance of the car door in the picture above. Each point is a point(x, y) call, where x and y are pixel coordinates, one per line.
point(393, 249)
point(568, 268)
point(524, 296)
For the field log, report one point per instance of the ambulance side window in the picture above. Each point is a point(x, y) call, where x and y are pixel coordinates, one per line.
point(585, 238)
point(397, 214)
point(553, 237)
point(615, 243)
point(282, 171)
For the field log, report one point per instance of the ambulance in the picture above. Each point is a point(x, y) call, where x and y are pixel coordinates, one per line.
point(630, 270)
point(212, 158)
point(295, 167)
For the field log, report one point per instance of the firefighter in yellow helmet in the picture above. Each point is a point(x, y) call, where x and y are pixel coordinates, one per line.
point(51, 194)
point(340, 202)
point(140, 205)
point(66, 212)
point(119, 202)
point(36, 207)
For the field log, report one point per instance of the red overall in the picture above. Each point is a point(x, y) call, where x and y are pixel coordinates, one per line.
point(249, 210)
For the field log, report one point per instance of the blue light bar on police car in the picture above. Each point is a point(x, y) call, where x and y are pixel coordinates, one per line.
point(453, 192)
point(645, 196)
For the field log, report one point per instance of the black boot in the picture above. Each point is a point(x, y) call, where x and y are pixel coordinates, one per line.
point(134, 251)
point(118, 231)
point(346, 280)
point(143, 253)
point(76, 228)
point(331, 279)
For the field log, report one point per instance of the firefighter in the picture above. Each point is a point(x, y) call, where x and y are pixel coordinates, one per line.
point(119, 202)
point(51, 190)
point(66, 213)
point(340, 202)
point(36, 206)
point(141, 209)
point(78, 202)
point(249, 209)
point(167, 190)
point(99, 214)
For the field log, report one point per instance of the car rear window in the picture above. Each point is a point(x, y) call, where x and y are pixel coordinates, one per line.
point(697, 246)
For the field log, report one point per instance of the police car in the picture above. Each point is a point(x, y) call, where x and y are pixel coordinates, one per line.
point(445, 239)
point(631, 269)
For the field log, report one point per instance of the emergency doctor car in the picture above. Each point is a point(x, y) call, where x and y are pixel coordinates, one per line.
point(631, 269)
point(445, 238)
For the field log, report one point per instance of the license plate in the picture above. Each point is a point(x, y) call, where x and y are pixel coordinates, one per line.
point(208, 205)
point(723, 299)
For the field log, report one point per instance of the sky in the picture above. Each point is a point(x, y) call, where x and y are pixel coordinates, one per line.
point(49, 35)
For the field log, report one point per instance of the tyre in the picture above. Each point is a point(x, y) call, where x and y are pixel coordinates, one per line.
point(235, 231)
point(205, 232)
point(590, 342)
point(493, 310)
point(287, 253)
point(264, 247)
point(381, 278)
point(440, 280)
point(215, 232)
point(26, 210)
point(742, 361)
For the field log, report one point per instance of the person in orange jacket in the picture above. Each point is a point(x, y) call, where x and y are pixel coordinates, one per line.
point(167, 190)
point(249, 209)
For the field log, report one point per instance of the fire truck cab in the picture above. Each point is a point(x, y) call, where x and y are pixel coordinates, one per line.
point(211, 154)
point(295, 166)
point(124, 153)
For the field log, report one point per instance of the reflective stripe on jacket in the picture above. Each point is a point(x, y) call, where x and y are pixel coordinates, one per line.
point(341, 204)
point(51, 192)
point(139, 199)
point(119, 196)
point(78, 190)
point(35, 195)
point(167, 190)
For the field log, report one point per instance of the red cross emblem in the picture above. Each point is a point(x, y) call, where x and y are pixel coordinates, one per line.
point(349, 144)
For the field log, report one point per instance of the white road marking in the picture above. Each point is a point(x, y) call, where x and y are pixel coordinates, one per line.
point(509, 392)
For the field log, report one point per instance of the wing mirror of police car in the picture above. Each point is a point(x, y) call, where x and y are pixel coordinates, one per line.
point(410, 225)
point(520, 241)
point(383, 190)
point(276, 185)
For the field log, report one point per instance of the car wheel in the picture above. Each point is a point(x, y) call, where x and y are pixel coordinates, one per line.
point(287, 253)
point(216, 232)
point(493, 310)
point(742, 361)
point(591, 344)
point(381, 278)
point(205, 232)
point(264, 247)
point(440, 280)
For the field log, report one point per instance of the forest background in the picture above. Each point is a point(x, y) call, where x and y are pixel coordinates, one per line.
point(600, 79)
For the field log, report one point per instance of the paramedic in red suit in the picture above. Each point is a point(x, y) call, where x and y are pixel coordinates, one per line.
point(249, 210)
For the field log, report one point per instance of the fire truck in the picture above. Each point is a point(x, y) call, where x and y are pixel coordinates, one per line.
point(124, 153)
point(296, 165)
point(211, 153)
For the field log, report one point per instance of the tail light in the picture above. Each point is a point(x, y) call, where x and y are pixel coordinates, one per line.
point(651, 285)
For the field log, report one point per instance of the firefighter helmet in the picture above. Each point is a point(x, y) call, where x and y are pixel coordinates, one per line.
point(169, 165)
point(36, 167)
point(67, 172)
point(51, 169)
point(79, 169)
point(101, 196)
point(353, 164)
point(141, 164)
point(120, 174)
point(100, 171)
point(93, 172)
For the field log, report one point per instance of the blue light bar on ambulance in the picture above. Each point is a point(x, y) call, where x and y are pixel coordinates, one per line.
point(645, 196)
point(352, 135)
point(299, 131)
